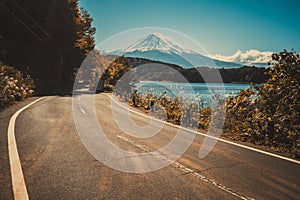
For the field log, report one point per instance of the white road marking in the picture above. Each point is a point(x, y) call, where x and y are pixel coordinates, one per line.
point(81, 109)
point(212, 137)
point(185, 169)
point(18, 182)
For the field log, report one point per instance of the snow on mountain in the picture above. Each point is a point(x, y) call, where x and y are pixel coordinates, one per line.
point(156, 41)
point(156, 46)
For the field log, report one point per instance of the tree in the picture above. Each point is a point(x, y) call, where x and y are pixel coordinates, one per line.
point(279, 102)
point(270, 114)
point(47, 39)
point(85, 31)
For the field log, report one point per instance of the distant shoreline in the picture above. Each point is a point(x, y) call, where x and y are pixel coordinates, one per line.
point(235, 82)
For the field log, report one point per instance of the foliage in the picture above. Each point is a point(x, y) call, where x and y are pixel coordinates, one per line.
point(82, 20)
point(14, 86)
point(114, 72)
point(47, 39)
point(179, 111)
point(239, 121)
point(270, 114)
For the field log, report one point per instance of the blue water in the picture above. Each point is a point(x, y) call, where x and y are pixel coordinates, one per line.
point(193, 91)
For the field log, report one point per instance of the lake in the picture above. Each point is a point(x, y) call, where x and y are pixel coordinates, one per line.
point(194, 91)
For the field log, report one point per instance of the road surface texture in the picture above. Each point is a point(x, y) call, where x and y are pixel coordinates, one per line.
point(56, 164)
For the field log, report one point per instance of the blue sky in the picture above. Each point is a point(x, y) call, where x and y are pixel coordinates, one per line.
point(220, 26)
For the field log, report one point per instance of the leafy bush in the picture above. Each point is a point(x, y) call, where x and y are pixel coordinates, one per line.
point(14, 86)
point(270, 114)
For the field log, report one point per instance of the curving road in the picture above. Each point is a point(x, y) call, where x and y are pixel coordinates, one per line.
point(56, 164)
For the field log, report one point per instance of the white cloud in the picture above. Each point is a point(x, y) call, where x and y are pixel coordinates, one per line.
point(249, 57)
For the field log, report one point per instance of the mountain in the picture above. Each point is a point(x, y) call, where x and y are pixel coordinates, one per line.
point(158, 47)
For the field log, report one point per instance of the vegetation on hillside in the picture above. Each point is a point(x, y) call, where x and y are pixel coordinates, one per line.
point(118, 67)
point(244, 74)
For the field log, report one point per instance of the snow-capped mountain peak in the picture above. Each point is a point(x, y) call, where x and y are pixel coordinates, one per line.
point(156, 41)
point(156, 46)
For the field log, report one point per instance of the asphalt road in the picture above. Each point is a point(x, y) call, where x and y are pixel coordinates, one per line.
point(57, 165)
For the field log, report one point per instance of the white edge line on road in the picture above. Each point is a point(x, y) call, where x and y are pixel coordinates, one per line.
point(209, 136)
point(17, 177)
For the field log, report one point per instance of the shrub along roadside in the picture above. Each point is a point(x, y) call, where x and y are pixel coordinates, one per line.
point(14, 86)
point(272, 116)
